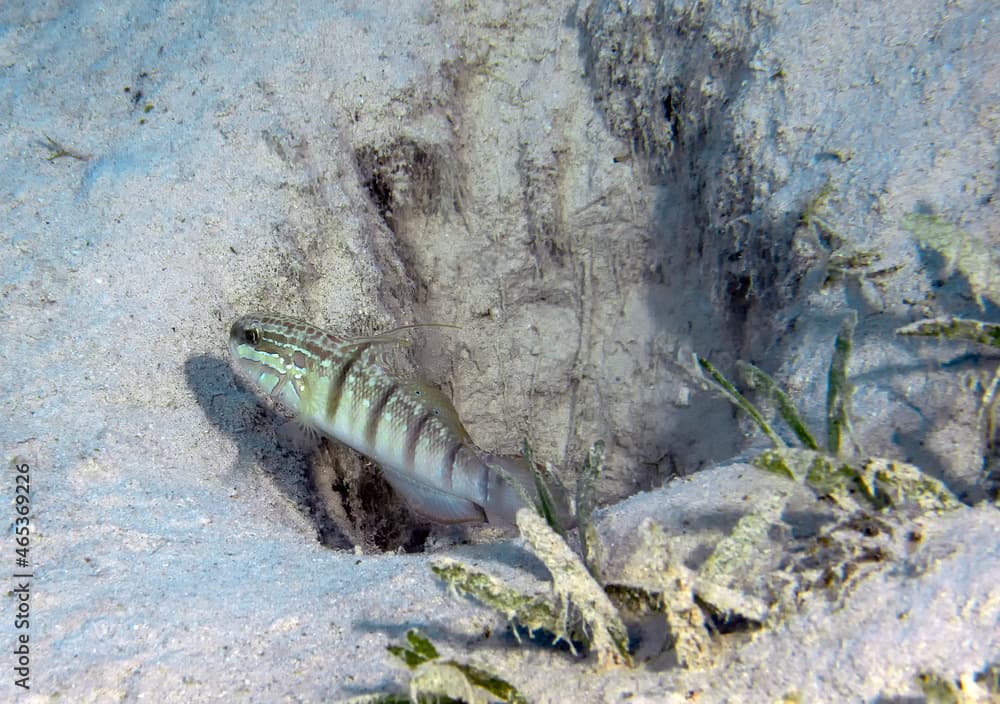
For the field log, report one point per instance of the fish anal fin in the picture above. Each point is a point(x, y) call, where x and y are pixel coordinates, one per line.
point(432, 503)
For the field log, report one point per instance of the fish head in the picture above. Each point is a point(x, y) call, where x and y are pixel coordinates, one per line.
point(272, 349)
point(244, 336)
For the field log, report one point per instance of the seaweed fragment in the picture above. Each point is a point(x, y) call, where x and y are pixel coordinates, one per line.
point(546, 502)
point(838, 390)
point(898, 482)
point(838, 258)
point(989, 679)
point(987, 405)
point(574, 587)
point(442, 680)
point(756, 377)
point(574, 608)
point(578, 608)
point(880, 482)
point(811, 219)
point(955, 328)
point(740, 401)
point(590, 543)
point(532, 612)
point(838, 395)
point(696, 605)
point(57, 150)
point(736, 556)
point(982, 686)
point(418, 650)
point(820, 472)
point(380, 698)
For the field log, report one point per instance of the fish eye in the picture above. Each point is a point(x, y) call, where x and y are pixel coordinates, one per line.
point(251, 335)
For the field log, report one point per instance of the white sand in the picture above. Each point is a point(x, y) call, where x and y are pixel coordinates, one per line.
point(172, 547)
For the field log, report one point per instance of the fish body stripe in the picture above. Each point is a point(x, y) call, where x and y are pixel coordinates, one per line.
point(375, 411)
point(338, 381)
point(413, 431)
point(448, 466)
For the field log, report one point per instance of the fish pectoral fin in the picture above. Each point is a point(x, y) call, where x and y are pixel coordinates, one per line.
point(432, 503)
point(299, 436)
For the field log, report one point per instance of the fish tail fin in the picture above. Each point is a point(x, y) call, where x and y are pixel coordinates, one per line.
point(518, 486)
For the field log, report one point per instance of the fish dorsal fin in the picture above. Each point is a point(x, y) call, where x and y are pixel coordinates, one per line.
point(420, 325)
point(388, 337)
point(372, 341)
point(437, 401)
point(366, 346)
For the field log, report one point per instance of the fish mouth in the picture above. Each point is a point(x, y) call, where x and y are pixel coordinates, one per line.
point(243, 338)
point(236, 332)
